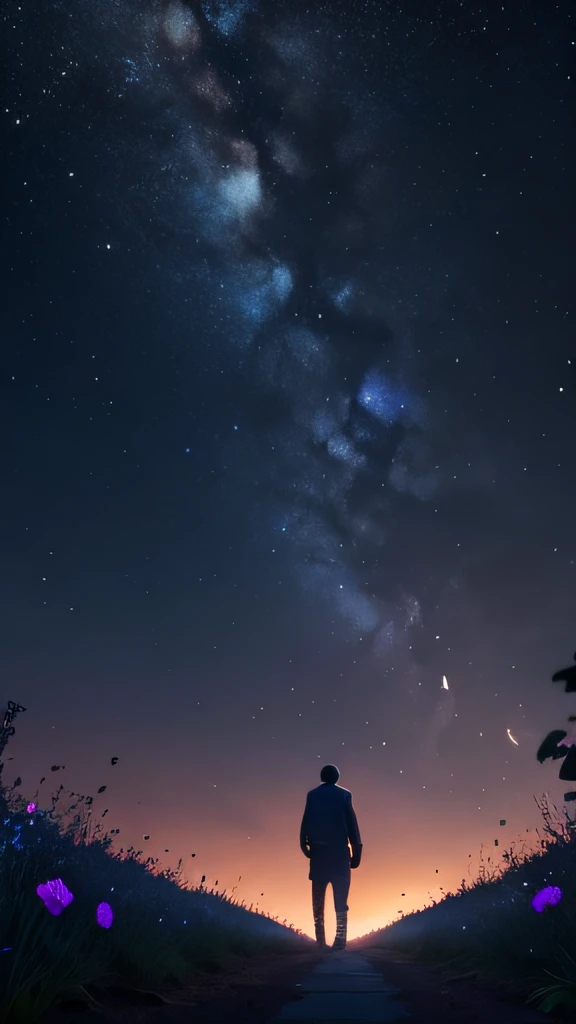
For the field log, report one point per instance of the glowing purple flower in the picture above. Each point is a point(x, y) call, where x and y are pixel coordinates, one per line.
point(55, 896)
point(104, 915)
point(547, 897)
point(31, 808)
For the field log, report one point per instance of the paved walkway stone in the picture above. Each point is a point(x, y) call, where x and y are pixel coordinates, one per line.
point(344, 987)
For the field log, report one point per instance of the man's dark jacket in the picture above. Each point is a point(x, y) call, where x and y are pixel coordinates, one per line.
point(329, 823)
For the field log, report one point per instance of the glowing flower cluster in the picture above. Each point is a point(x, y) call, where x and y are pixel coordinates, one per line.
point(547, 897)
point(104, 915)
point(55, 896)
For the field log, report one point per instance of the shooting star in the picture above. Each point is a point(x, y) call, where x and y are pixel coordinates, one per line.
point(510, 737)
point(442, 717)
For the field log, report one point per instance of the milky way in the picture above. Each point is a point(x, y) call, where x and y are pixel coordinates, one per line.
point(290, 407)
point(257, 156)
point(265, 169)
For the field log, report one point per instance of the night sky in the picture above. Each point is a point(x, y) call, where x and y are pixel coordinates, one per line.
point(288, 421)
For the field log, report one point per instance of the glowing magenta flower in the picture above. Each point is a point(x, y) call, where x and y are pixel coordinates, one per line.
point(547, 897)
point(31, 808)
point(104, 915)
point(55, 896)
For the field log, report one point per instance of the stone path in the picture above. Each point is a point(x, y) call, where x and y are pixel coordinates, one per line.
point(344, 987)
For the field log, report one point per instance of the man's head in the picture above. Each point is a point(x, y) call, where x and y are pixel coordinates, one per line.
point(330, 773)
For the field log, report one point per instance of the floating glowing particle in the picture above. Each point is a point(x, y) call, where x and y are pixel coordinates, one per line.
point(511, 738)
point(444, 683)
point(31, 808)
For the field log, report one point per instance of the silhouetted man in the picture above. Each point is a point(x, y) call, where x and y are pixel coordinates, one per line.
point(328, 825)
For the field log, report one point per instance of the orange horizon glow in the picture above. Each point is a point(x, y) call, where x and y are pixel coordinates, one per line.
point(404, 863)
point(417, 839)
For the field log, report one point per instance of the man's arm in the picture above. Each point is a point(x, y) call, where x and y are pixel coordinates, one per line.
point(353, 833)
point(304, 843)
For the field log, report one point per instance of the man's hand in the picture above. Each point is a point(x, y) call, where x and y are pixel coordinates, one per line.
point(356, 855)
point(305, 850)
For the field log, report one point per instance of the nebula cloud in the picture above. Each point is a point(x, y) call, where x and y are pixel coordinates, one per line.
point(273, 166)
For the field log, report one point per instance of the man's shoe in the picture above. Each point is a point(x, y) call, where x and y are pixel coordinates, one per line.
point(341, 929)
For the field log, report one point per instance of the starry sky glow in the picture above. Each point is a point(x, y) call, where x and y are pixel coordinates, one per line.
point(288, 418)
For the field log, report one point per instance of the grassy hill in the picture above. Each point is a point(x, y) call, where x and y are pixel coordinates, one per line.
point(163, 930)
point(489, 929)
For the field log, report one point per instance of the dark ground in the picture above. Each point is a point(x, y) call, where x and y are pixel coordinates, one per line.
point(253, 991)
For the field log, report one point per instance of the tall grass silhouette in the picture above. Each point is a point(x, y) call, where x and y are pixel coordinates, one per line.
point(163, 930)
point(489, 929)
